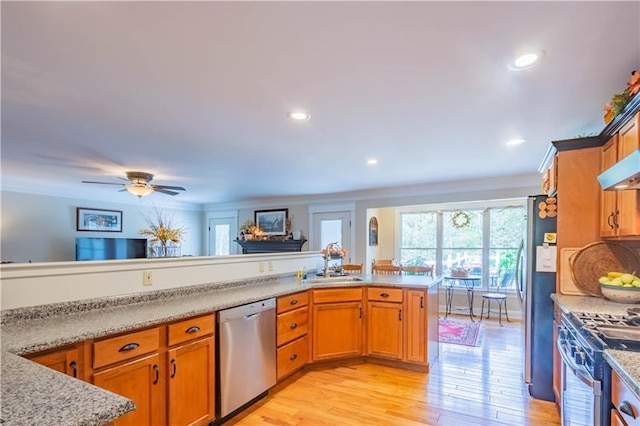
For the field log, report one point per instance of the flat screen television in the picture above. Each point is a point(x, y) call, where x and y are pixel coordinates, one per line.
point(110, 248)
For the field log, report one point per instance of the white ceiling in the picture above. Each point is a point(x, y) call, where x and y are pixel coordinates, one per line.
point(197, 93)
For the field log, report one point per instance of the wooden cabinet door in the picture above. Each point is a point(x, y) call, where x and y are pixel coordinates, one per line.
point(384, 329)
point(337, 330)
point(415, 322)
point(629, 137)
point(608, 199)
point(65, 361)
point(142, 382)
point(616, 420)
point(191, 375)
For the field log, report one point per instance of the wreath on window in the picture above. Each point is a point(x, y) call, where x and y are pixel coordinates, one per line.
point(460, 219)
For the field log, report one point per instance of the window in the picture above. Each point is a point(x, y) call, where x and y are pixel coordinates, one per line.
point(419, 239)
point(486, 246)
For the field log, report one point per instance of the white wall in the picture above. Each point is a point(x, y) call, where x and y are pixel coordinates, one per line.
point(42, 228)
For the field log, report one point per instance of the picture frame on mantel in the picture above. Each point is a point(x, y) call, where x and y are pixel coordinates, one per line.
point(98, 220)
point(272, 222)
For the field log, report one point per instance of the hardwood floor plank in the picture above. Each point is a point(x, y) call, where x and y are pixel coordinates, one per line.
point(470, 386)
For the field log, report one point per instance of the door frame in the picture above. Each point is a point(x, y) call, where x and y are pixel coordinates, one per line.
point(223, 214)
point(333, 208)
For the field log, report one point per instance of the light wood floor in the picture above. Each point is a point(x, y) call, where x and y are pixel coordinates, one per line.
point(466, 387)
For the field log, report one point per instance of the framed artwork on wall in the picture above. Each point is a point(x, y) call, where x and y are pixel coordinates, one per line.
point(272, 222)
point(98, 220)
point(373, 231)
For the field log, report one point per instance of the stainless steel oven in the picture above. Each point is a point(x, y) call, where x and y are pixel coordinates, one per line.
point(585, 376)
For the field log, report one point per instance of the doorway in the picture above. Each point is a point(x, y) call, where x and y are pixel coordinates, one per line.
point(332, 227)
point(222, 232)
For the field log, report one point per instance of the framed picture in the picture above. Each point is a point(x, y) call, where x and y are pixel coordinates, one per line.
point(98, 220)
point(272, 222)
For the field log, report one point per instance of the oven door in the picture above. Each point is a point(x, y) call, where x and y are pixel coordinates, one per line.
point(581, 393)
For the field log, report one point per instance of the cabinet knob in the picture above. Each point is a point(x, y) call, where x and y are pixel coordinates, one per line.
point(293, 357)
point(384, 294)
point(293, 302)
point(293, 325)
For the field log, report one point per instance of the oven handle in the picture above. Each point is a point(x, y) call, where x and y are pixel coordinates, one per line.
point(581, 373)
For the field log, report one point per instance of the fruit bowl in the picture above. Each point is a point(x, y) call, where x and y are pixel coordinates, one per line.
point(620, 294)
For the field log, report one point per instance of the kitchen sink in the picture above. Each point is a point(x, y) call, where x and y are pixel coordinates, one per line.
point(334, 280)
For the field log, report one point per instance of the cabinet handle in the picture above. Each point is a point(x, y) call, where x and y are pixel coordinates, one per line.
point(615, 219)
point(421, 302)
point(384, 294)
point(400, 315)
point(129, 347)
point(293, 357)
point(293, 325)
point(193, 329)
point(293, 302)
point(627, 408)
point(610, 220)
point(360, 313)
point(174, 368)
point(157, 370)
point(74, 366)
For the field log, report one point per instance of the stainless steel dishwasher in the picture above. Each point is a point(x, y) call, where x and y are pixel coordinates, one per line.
point(247, 348)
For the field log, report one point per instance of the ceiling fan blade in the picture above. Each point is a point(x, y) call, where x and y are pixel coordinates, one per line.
point(164, 191)
point(103, 183)
point(177, 188)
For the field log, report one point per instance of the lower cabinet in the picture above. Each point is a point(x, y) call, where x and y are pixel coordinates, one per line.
point(140, 381)
point(66, 360)
point(415, 322)
point(191, 383)
point(337, 323)
point(292, 328)
point(626, 404)
point(385, 323)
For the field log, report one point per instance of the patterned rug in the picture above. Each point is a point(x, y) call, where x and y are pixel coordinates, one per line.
point(459, 332)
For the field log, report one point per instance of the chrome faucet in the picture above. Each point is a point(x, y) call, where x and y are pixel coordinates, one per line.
point(327, 257)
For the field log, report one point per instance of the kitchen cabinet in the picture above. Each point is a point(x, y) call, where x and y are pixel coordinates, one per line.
point(415, 322)
point(292, 328)
point(620, 210)
point(626, 405)
point(139, 380)
point(550, 177)
point(557, 386)
point(337, 323)
point(385, 323)
point(190, 368)
point(66, 360)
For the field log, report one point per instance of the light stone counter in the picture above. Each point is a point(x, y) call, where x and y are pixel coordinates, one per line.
point(625, 363)
point(32, 394)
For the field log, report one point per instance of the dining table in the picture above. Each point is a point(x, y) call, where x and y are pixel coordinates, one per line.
point(469, 282)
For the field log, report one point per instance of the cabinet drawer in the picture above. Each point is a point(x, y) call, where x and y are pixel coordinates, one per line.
point(382, 294)
point(190, 329)
point(337, 295)
point(625, 400)
point(129, 346)
point(293, 356)
point(292, 325)
point(292, 301)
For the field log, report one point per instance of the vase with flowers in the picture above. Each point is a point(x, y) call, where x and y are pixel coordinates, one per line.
point(165, 234)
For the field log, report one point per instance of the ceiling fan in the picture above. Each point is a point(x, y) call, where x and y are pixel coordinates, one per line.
point(140, 185)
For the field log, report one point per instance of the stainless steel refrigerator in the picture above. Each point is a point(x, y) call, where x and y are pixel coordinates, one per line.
point(536, 280)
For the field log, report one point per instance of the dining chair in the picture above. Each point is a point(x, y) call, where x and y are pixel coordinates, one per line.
point(355, 268)
point(417, 270)
point(499, 296)
point(386, 269)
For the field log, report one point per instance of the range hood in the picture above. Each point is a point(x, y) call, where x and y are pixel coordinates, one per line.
point(625, 174)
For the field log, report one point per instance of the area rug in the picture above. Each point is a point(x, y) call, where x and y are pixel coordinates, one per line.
point(459, 332)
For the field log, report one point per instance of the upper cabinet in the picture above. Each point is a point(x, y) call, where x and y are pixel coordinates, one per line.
point(620, 210)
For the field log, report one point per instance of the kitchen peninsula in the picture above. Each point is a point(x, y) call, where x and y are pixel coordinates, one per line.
point(64, 400)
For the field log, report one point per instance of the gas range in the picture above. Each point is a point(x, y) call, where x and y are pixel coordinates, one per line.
point(606, 331)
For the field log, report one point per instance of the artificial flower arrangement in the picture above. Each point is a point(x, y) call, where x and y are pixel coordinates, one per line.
point(162, 230)
point(250, 230)
point(620, 100)
point(335, 252)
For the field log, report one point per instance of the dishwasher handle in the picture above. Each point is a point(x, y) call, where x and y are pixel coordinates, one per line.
point(248, 317)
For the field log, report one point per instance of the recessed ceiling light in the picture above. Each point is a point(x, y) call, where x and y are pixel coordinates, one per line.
point(372, 161)
point(525, 61)
point(298, 115)
point(513, 142)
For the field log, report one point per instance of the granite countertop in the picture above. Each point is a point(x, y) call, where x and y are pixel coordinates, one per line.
point(64, 400)
point(625, 363)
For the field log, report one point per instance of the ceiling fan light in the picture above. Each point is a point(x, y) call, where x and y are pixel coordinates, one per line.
point(139, 190)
